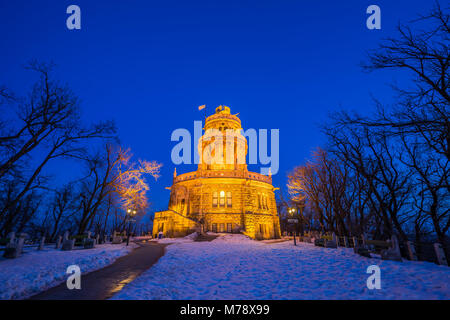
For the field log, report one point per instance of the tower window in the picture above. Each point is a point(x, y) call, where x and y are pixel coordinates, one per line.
point(222, 199)
point(229, 202)
point(215, 199)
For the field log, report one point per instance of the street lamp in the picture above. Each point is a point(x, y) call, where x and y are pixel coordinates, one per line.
point(292, 211)
point(129, 215)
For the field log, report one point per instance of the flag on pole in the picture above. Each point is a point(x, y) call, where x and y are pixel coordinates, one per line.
point(201, 107)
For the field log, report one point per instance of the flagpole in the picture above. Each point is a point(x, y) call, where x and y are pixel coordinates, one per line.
point(203, 107)
point(205, 113)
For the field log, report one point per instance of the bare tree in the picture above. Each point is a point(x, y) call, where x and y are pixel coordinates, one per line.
point(419, 122)
point(422, 109)
point(115, 174)
point(323, 183)
point(431, 173)
point(18, 216)
point(61, 208)
point(49, 118)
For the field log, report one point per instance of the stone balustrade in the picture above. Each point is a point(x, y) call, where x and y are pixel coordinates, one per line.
point(223, 174)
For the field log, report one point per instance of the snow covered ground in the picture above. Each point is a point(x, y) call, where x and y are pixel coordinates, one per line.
point(36, 271)
point(235, 267)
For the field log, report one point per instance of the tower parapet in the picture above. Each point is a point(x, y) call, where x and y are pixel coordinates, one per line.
point(222, 147)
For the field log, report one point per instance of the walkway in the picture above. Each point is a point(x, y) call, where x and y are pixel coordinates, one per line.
point(104, 283)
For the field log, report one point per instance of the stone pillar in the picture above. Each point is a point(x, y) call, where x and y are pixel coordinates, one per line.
point(393, 252)
point(41, 243)
point(440, 255)
point(411, 251)
point(11, 236)
point(21, 242)
point(67, 244)
point(14, 249)
point(395, 245)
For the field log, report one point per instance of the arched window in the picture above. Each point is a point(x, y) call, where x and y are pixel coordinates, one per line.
point(229, 202)
point(222, 199)
point(215, 199)
point(259, 201)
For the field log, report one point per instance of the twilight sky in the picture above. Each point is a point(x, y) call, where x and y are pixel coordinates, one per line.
point(149, 64)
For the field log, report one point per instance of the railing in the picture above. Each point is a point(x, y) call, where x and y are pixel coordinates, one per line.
point(222, 116)
point(420, 251)
point(223, 174)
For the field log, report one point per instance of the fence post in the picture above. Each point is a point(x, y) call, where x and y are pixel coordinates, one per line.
point(21, 242)
point(440, 254)
point(411, 251)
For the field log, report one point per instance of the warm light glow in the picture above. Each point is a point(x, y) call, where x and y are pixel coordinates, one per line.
point(232, 199)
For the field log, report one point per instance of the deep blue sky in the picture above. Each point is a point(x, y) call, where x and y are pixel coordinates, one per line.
point(149, 64)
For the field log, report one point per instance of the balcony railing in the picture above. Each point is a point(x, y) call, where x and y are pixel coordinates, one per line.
point(223, 174)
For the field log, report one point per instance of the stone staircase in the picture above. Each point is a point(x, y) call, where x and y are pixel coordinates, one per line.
point(205, 237)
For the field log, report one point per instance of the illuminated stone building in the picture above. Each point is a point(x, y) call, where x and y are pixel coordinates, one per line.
point(222, 195)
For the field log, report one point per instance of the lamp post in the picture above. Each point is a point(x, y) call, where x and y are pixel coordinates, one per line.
point(292, 211)
point(130, 213)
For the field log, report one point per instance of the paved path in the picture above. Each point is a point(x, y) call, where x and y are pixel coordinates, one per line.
point(104, 283)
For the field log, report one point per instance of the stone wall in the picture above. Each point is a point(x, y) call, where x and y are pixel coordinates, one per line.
point(172, 224)
point(194, 199)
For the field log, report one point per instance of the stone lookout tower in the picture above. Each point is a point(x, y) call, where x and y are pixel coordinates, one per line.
point(222, 195)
